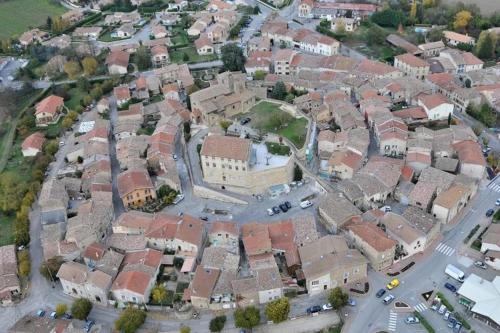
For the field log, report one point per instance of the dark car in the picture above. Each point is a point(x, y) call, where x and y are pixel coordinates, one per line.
point(204, 218)
point(450, 287)
point(67, 316)
point(314, 309)
point(276, 210)
point(283, 208)
point(88, 325)
point(489, 212)
point(245, 121)
point(288, 204)
point(380, 293)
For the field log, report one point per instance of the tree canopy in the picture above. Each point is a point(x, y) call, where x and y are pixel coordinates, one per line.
point(247, 318)
point(130, 320)
point(81, 308)
point(232, 57)
point(338, 298)
point(277, 311)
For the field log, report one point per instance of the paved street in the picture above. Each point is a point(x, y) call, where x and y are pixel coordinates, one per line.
point(426, 275)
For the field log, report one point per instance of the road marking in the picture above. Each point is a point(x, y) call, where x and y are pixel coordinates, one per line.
point(393, 320)
point(445, 249)
point(420, 307)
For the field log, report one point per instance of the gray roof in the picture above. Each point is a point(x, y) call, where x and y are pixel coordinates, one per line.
point(338, 208)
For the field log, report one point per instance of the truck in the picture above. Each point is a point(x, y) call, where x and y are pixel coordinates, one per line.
point(455, 273)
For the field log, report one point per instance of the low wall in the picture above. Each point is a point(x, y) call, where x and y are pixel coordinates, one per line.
point(204, 192)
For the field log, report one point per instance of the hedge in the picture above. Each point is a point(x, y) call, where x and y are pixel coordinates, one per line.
point(445, 302)
point(424, 322)
point(461, 319)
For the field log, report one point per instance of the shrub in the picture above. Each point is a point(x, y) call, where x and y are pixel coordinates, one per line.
point(81, 308)
point(217, 324)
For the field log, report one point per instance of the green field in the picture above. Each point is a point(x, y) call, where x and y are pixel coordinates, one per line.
point(177, 56)
point(268, 117)
point(17, 16)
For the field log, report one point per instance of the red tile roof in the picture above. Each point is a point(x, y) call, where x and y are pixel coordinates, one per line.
point(121, 93)
point(148, 257)
point(372, 235)
point(412, 61)
point(49, 104)
point(413, 113)
point(34, 141)
point(94, 251)
point(432, 101)
point(226, 227)
point(119, 58)
point(470, 152)
point(131, 180)
point(256, 238)
point(141, 83)
point(419, 157)
point(134, 281)
point(407, 173)
point(226, 147)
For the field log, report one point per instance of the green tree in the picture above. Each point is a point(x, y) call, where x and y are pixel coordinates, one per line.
point(485, 47)
point(247, 318)
point(83, 83)
point(22, 232)
point(279, 91)
point(81, 308)
point(185, 329)
point(256, 10)
point(375, 35)
point(217, 324)
point(130, 320)
point(89, 65)
point(142, 58)
point(72, 68)
point(67, 122)
point(61, 309)
point(224, 124)
point(96, 92)
point(185, 57)
point(297, 173)
point(278, 310)
point(159, 294)
point(338, 298)
point(51, 147)
point(12, 190)
point(24, 268)
point(289, 98)
point(232, 57)
point(259, 75)
point(389, 18)
point(49, 22)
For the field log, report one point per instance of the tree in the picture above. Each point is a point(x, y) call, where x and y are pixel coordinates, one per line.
point(375, 36)
point(159, 294)
point(59, 24)
point(485, 47)
point(81, 308)
point(24, 268)
point(277, 311)
point(247, 318)
point(289, 98)
point(462, 20)
point(232, 58)
point(72, 68)
point(67, 122)
point(142, 58)
point(22, 231)
point(51, 147)
point(61, 309)
point(338, 298)
point(217, 324)
point(130, 320)
point(185, 57)
point(224, 124)
point(297, 173)
point(279, 91)
point(389, 18)
point(49, 22)
point(50, 267)
point(90, 65)
point(413, 11)
point(340, 27)
point(185, 329)
point(259, 75)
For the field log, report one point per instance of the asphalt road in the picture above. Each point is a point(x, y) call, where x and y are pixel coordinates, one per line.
point(427, 274)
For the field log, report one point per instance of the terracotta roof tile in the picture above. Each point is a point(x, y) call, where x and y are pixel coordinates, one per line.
point(34, 141)
point(227, 147)
point(49, 104)
point(131, 180)
point(372, 235)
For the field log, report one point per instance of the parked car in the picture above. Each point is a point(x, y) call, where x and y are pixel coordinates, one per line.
point(288, 204)
point(276, 210)
point(67, 316)
point(174, 156)
point(446, 315)
point(442, 309)
point(412, 320)
point(489, 212)
point(393, 284)
point(53, 315)
point(88, 325)
point(270, 212)
point(451, 322)
point(434, 305)
point(480, 264)
point(497, 203)
point(313, 309)
point(305, 204)
point(178, 199)
point(61, 143)
point(450, 287)
point(386, 209)
point(388, 299)
point(40, 313)
point(204, 218)
point(327, 306)
point(457, 328)
point(245, 121)
point(283, 208)
point(351, 302)
point(380, 293)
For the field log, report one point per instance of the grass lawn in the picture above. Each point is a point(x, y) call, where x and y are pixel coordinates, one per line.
point(6, 232)
point(268, 117)
point(277, 149)
point(16, 16)
point(177, 56)
point(180, 36)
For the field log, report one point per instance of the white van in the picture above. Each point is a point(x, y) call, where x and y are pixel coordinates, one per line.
point(388, 299)
point(442, 309)
point(305, 204)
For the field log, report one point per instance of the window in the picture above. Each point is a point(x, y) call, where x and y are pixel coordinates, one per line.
point(230, 167)
point(213, 164)
point(315, 283)
point(236, 168)
point(207, 164)
point(243, 168)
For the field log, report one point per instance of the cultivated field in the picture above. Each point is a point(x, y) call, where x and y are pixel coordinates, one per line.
point(487, 6)
point(16, 16)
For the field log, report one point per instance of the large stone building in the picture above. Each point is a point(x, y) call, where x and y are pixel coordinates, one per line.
point(238, 165)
